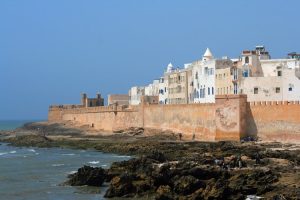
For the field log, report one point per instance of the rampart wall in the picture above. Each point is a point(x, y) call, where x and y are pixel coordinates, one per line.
point(274, 120)
point(230, 118)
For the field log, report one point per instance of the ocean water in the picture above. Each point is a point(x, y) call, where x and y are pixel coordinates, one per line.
point(38, 173)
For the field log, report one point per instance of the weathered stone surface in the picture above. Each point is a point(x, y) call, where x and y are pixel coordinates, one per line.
point(87, 176)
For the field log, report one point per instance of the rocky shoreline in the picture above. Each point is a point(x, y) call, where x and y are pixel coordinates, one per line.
point(166, 168)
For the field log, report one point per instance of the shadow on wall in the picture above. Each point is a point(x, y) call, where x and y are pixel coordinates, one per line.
point(251, 128)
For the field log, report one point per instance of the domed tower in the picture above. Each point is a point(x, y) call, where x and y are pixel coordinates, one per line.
point(207, 55)
point(170, 68)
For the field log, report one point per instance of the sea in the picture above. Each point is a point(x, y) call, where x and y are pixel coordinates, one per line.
point(39, 173)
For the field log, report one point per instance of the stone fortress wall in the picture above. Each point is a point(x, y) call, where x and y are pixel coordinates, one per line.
point(231, 117)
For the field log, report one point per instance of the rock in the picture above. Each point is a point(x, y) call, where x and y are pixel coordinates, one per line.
point(132, 131)
point(92, 176)
point(121, 186)
point(164, 192)
point(216, 189)
point(157, 155)
point(187, 184)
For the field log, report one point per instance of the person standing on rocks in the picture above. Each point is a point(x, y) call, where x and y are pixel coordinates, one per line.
point(257, 158)
point(180, 136)
point(239, 159)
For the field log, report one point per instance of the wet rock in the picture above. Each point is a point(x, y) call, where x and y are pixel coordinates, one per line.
point(92, 176)
point(187, 184)
point(121, 186)
point(157, 155)
point(164, 192)
point(216, 189)
point(132, 131)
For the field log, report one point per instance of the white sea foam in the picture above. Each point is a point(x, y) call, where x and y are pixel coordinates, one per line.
point(104, 165)
point(94, 162)
point(72, 172)
point(3, 153)
point(68, 154)
point(122, 156)
point(13, 152)
point(36, 153)
point(32, 150)
point(57, 165)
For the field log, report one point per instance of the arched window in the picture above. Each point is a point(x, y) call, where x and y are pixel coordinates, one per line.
point(247, 59)
point(208, 90)
point(196, 75)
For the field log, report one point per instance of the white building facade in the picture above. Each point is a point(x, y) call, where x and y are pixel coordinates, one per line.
point(135, 93)
point(203, 74)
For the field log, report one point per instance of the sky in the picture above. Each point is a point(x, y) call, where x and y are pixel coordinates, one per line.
point(53, 50)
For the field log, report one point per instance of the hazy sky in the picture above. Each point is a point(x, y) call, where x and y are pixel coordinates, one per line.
point(51, 51)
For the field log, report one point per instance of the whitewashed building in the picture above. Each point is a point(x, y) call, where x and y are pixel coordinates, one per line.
point(204, 79)
point(152, 89)
point(135, 93)
point(278, 79)
point(163, 90)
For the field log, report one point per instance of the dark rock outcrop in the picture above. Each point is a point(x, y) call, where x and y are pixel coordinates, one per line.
point(92, 176)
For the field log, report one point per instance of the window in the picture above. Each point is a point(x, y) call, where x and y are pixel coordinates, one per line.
point(278, 90)
point(245, 73)
point(279, 73)
point(201, 93)
point(212, 90)
point(196, 75)
point(235, 88)
point(206, 71)
point(208, 91)
point(255, 90)
point(247, 59)
point(290, 89)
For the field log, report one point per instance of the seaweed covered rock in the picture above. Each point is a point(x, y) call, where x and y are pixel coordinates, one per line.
point(187, 184)
point(86, 175)
point(121, 186)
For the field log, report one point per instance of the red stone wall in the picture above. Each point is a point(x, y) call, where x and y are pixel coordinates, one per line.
point(274, 121)
point(230, 118)
point(188, 119)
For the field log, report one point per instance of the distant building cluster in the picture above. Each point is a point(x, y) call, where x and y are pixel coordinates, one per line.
point(254, 73)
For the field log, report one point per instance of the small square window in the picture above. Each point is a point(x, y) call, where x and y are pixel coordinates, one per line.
point(290, 89)
point(278, 90)
point(255, 90)
point(279, 73)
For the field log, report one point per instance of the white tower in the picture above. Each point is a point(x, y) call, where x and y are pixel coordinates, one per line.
point(207, 55)
point(170, 68)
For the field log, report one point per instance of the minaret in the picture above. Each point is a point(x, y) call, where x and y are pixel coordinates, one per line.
point(207, 55)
